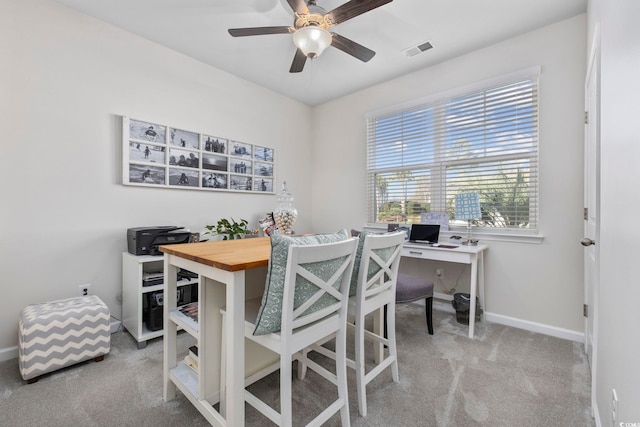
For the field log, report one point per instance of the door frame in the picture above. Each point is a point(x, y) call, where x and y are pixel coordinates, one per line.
point(592, 148)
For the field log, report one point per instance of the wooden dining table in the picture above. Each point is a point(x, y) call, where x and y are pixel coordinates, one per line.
point(229, 272)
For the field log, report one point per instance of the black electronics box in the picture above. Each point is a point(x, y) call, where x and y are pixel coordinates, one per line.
point(153, 304)
point(145, 240)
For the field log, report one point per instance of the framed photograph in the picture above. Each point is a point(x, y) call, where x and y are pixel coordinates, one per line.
point(184, 178)
point(184, 139)
point(215, 163)
point(214, 144)
point(240, 166)
point(162, 155)
point(240, 183)
point(146, 153)
point(187, 159)
point(263, 169)
point(142, 174)
point(145, 131)
point(263, 153)
point(263, 184)
point(214, 180)
point(239, 149)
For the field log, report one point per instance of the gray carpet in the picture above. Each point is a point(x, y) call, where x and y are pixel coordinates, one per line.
point(505, 377)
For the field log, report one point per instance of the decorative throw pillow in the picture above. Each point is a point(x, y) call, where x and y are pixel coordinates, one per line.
point(270, 314)
point(356, 264)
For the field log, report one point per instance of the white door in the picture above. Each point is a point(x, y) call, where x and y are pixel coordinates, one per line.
point(591, 237)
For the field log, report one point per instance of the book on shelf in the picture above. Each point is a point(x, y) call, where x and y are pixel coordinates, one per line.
point(190, 310)
point(193, 351)
point(191, 362)
point(191, 359)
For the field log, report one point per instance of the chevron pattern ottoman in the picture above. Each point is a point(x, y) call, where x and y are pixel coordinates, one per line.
point(61, 333)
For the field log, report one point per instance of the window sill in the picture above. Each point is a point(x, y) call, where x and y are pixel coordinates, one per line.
point(530, 237)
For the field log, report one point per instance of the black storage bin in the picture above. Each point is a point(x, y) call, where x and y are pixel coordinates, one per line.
point(153, 304)
point(462, 304)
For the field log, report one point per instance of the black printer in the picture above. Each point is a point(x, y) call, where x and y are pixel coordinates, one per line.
point(145, 240)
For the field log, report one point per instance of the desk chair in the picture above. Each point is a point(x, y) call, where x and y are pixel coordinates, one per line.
point(314, 306)
point(413, 288)
point(375, 287)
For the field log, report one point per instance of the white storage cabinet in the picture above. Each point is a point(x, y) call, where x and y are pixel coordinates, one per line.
point(134, 268)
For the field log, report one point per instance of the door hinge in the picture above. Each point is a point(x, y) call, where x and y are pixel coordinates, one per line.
point(586, 117)
point(585, 310)
point(586, 214)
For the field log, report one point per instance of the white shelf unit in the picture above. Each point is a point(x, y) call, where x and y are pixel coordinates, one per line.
point(202, 388)
point(133, 293)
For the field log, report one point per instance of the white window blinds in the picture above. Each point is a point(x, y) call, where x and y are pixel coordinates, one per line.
point(483, 140)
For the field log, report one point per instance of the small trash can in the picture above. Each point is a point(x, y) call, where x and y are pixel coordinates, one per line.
point(462, 304)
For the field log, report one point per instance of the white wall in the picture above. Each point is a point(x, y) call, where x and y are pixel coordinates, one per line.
point(64, 213)
point(539, 283)
point(618, 344)
point(65, 79)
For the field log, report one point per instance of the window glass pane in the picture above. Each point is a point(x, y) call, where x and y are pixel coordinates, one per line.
point(402, 196)
point(504, 189)
point(418, 159)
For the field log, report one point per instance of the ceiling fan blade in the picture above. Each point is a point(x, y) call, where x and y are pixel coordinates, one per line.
point(298, 6)
point(258, 31)
point(352, 48)
point(298, 62)
point(354, 8)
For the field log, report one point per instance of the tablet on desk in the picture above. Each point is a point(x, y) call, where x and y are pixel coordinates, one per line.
point(426, 234)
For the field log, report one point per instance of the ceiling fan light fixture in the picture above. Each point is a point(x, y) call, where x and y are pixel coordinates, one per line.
point(312, 40)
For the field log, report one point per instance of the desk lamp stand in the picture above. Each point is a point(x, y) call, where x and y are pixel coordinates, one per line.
point(469, 241)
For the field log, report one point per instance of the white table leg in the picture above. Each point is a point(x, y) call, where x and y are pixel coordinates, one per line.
point(235, 349)
point(170, 331)
point(481, 283)
point(473, 292)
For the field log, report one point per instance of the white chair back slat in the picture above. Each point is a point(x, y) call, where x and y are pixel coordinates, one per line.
point(337, 286)
point(322, 314)
point(388, 269)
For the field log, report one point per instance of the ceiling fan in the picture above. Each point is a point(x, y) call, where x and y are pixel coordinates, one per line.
point(310, 30)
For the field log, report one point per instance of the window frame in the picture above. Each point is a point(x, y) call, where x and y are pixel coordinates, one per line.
point(438, 189)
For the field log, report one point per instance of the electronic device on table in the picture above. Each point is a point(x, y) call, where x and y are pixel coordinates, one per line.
point(145, 240)
point(427, 234)
point(153, 303)
point(153, 278)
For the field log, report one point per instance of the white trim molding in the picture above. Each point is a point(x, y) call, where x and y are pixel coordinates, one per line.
point(535, 327)
point(8, 353)
point(444, 305)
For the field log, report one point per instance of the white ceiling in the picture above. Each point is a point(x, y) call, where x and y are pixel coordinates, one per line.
point(198, 28)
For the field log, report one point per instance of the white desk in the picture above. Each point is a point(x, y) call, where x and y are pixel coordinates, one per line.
point(473, 255)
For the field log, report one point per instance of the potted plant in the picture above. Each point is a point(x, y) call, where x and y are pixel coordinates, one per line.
point(229, 230)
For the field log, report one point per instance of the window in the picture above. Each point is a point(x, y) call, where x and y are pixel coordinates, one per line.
point(483, 139)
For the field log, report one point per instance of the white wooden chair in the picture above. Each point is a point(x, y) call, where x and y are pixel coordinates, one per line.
point(376, 289)
point(328, 267)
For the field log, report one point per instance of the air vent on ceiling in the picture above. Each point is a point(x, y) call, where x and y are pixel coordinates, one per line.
point(414, 50)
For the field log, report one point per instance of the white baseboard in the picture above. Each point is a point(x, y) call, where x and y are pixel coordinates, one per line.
point(115, 325)
point(8, 353)
point(535, 327)
point(442, 306)
point(516, 323)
